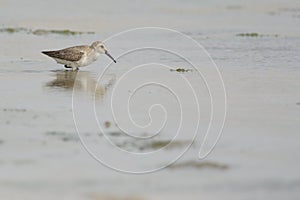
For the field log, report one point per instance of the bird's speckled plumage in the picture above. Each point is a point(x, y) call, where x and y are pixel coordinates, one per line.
point(70, 54)
point(78, 56)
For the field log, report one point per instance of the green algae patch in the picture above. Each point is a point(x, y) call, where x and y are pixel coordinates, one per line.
point(199, 165)
point(43, 31)
point(58, 32)
point(12, 30)
point(255, 35)
point(248, 34)
point(168, 144)
point(181, 70)
point(146, 146)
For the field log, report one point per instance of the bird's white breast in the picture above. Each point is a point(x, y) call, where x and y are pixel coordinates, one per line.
point(88, 59)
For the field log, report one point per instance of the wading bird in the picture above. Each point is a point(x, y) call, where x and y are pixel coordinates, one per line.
point(78, 56)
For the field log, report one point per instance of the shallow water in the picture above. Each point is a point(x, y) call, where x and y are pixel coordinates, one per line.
point(256, 47)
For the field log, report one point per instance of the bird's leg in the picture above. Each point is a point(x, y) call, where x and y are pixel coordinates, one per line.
point(66, 66)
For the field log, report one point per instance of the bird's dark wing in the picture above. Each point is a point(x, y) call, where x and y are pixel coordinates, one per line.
point(72, 54)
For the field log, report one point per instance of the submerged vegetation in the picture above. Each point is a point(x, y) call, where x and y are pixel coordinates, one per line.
point(199, 165)
point(255, 35)
point(248, 34)
point(60, 32)
point(107, 124)
point(12, 30)
point(132, 145)
point(42, 31)
point(181, 70)
point(14, 110)
point(158, 144)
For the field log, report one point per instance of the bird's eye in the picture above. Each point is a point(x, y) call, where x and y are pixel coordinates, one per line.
point(102, 46)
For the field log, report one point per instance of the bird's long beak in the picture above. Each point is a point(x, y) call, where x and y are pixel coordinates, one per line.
point(106, 52)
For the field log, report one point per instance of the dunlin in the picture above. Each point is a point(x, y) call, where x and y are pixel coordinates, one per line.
point(78, 56)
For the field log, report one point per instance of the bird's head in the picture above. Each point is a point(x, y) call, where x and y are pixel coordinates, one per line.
point(100, 48)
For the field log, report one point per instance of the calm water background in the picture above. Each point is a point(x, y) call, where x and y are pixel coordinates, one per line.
point(41, 156)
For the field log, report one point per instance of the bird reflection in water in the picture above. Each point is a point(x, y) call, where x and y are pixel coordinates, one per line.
point(81, 81)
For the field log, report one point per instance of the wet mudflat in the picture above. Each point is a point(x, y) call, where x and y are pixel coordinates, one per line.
point(256, 47)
